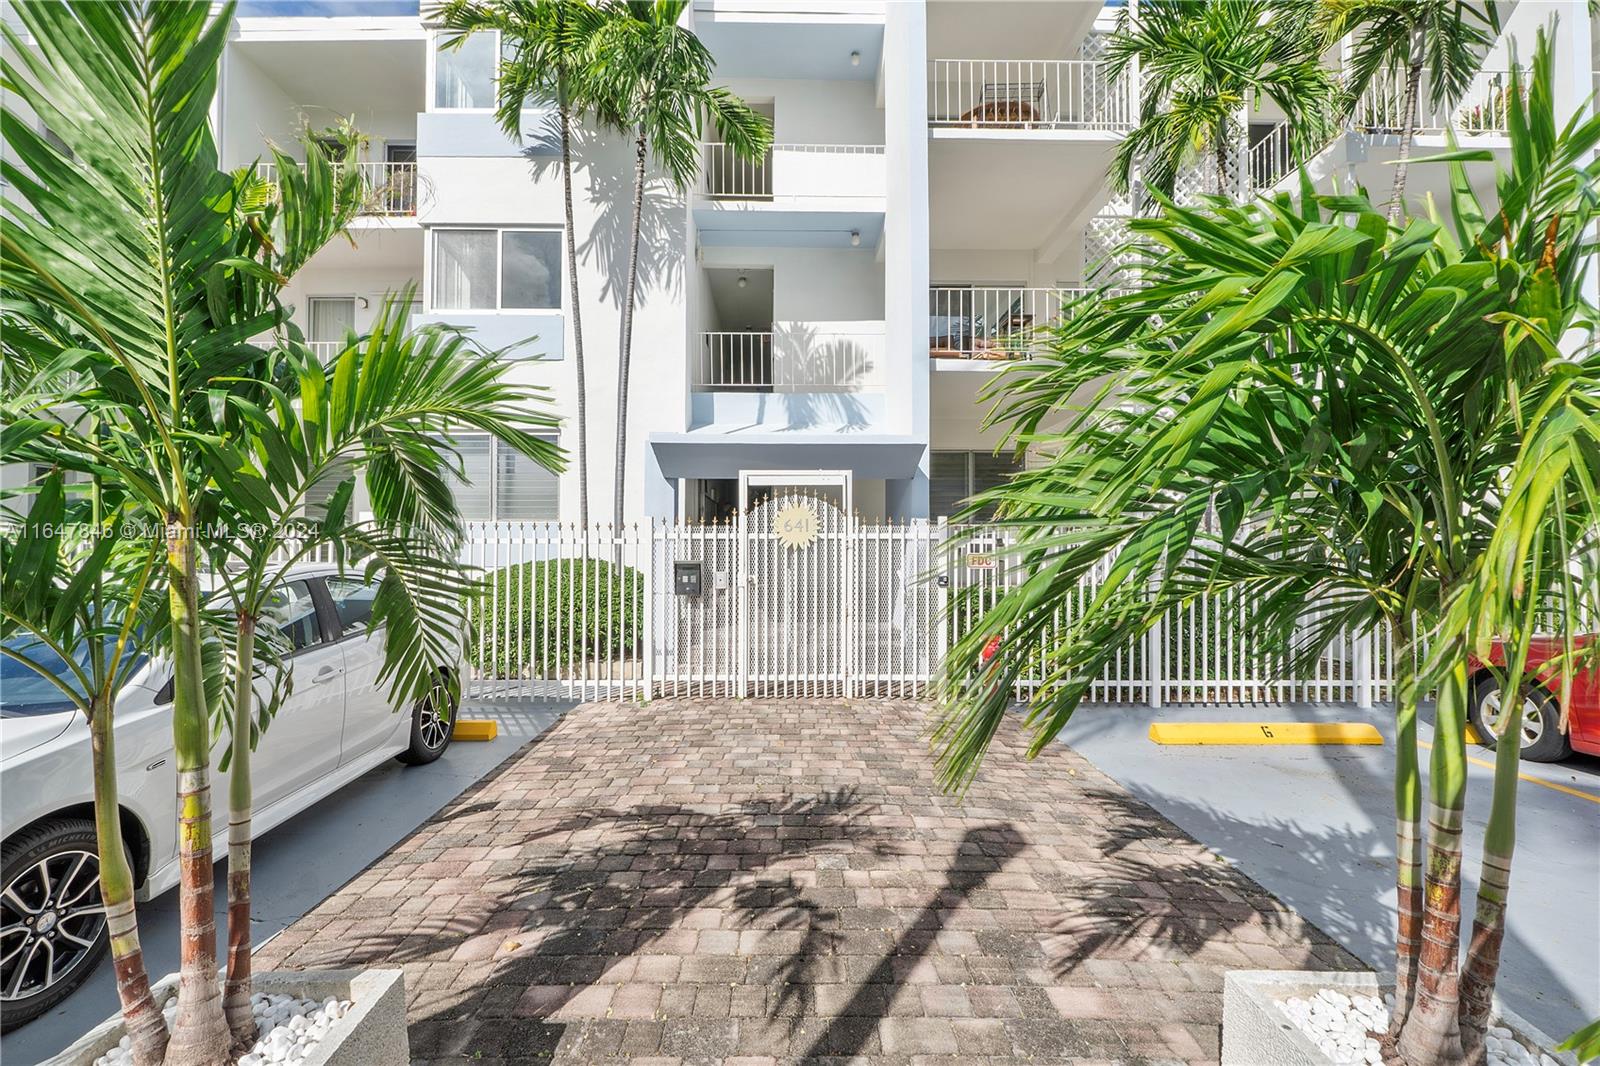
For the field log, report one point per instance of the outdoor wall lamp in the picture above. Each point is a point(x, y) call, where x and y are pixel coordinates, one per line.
point(855, 238)
point(855, 59)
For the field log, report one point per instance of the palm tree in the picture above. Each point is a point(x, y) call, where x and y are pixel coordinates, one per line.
point(1307, 405)
point(547, 59)
point(135, 275)
point(1202, 63)
point(398, 397)
point(1446, 38)
point(79, 614)
point(651, 80)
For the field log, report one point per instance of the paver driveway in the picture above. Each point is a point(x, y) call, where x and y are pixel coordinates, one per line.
point(743, 882)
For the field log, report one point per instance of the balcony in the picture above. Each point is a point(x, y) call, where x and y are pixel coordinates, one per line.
point(1033, 95)
point(817, 376)
point(992, 324)
point(1481, 109)
point(792, 171)
point(388, 189)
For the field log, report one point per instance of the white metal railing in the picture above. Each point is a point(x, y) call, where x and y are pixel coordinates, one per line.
point(1046, 94)
point(1481, 109)
point(734, 362)
point(325, 350)
point(861, 609)
point(972, 322)
point(387, 188)
point(789, 170)
point(793, 357)
point(1269, 159)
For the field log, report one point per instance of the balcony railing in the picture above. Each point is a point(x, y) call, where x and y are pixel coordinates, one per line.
point(794, 357)
point(992, 323)
point(1031, 94)
point(791, 170)
point(1481, 109)
point(387, 188)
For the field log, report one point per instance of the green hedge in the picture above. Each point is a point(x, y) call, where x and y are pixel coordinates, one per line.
point(532, 619)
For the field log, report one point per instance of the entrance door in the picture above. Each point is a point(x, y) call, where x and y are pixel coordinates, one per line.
point(795, 610)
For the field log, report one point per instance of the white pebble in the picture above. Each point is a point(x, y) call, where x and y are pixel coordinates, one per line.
point(289, 1030)
point(1338, 1024)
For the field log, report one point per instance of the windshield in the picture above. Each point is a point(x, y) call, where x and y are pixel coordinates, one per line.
point(24, 692)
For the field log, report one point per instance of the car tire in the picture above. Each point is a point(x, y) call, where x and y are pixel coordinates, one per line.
point(1542, 739)
point(49, 873)
point(431, 727)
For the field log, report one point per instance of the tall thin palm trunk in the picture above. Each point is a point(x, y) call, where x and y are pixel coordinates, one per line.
point(1408, 122)
point(236, 989)
point(1431, 1033)
point(1494, 879)
point(1408, 831)
point(577, 311)
point(141, 1015)
point(625, 353)
point(200, 1030)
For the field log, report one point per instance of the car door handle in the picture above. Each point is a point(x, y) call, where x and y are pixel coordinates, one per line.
point(327, 673)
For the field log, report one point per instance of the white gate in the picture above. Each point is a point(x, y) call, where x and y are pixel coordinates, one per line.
point(793, 581)
point(799, 599)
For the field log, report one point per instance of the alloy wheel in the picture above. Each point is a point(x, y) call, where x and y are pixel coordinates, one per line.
point(433, 727)
point(1532, 717)
point(51, 915)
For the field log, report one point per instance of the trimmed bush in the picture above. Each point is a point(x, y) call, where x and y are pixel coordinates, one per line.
point(533, 619)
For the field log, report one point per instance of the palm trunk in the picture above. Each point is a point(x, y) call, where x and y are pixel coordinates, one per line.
point(1222, 162)
point(1408, 833)
point(236, 990)
point(1494, 880)
point(1431, 1033)
point(625, 353)
point(141, 1015)
point(577, 313)
point(1408, 122)
point(200, 1031)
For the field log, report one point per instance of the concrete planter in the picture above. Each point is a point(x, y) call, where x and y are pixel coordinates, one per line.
point(1255, 1032)
point(372, 1034)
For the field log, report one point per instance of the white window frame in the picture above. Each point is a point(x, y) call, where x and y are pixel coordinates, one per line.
point(432, 74)
point(495, 444)
point(355, 305)
point(499, 263)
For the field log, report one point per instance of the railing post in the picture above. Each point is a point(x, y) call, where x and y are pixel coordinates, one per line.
point(1363, 668)
point(1155, 643)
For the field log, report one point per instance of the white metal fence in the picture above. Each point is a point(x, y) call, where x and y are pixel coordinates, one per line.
point(798, 599)
point(1046, 94)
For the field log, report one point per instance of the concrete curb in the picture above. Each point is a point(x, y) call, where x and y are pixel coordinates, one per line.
point(1256, 1033)
point(372, 1034)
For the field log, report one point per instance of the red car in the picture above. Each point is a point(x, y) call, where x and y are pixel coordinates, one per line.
point(1542, 739)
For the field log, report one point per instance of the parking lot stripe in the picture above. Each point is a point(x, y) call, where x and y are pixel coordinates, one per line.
point(1486, 764)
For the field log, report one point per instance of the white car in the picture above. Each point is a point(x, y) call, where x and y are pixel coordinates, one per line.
point(335, 726)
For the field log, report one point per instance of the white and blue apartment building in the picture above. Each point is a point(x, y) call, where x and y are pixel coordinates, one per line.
point(827, 316)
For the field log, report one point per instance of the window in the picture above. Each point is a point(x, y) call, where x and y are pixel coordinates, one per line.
point(491, 270)
point(954, 476)
point(291, 609)
point(352, 602)
point(331, 318)
point(502, 484)
point(464, 76)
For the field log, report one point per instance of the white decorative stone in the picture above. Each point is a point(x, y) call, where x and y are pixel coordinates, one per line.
point(290, 1030)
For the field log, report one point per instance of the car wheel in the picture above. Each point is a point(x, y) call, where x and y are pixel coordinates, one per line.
point(52, 919)
point(432, 720)
point(1542, 739)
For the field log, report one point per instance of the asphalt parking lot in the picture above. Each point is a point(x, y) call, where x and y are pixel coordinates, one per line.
point(300, 863)
point(1314, 825)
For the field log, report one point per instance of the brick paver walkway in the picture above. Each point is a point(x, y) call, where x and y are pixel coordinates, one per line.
point(733, 882)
